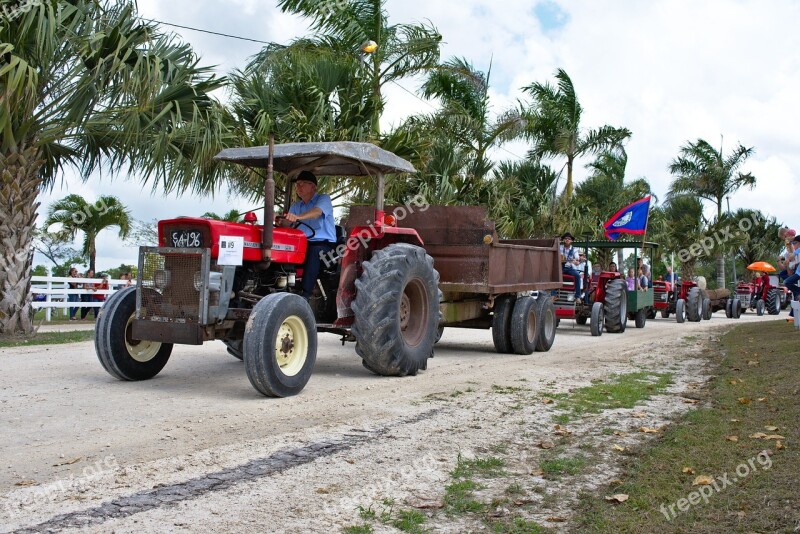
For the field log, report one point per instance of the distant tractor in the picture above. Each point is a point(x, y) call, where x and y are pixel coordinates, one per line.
point(759, 298)
point(610, 305)
point(684, 299)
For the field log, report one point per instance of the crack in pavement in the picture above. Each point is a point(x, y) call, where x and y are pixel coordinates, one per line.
point(217, 481)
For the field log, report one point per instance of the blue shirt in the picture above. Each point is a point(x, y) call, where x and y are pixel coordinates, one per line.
point(324, 228)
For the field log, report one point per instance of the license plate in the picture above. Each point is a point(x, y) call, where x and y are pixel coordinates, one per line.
point(187, 238)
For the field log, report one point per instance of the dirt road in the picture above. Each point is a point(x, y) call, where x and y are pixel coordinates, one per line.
point(198, 448)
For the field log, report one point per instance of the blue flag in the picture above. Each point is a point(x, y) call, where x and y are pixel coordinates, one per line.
point(632, 219)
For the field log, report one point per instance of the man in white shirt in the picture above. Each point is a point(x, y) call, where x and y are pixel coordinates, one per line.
point(571, 259)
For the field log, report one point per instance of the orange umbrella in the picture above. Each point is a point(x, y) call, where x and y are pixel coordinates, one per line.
point(762, 266)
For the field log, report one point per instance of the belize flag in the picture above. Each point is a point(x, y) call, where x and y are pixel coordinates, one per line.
point(632, 219)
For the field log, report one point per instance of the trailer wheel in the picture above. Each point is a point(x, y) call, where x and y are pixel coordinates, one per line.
point(665, 313)
point(707, 309)
point(773, 301)
point(680, 311)
point(122, 356)
point(501, 323)
point(235, 348)
point(729, 308)
point(616, 306)
point(596, 324)
point(736, 308)
point(694, 305)
point(280, 345)
point(396, 310)
point(640, 318)
point(546, 311)
point(524, 326)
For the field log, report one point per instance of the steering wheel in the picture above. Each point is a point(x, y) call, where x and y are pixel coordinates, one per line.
point(296, 224)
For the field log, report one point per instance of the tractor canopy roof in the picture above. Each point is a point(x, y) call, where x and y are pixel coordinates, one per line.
point(340, 158)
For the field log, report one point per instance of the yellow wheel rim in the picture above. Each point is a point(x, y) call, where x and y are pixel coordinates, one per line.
point(291, 345)
point(140, 350)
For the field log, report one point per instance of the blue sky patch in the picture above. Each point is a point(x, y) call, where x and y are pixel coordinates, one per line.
point(550, 15)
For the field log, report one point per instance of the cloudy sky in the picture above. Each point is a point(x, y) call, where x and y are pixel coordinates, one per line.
point(671, 71)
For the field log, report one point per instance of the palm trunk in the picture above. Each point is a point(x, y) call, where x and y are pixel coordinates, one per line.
point(19, 188)
point(720, 271)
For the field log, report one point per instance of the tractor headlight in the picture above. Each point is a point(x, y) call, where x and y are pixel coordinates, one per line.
point(161, 278)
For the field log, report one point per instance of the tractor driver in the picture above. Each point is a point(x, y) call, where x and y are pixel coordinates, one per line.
point(571, 259)
point(315, 211)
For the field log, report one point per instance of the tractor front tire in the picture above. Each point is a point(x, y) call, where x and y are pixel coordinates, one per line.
point(547, 323)
point(596, 326)
point(707, 309)
point(524, 326)
point(501, 323)
point(615, 307)
point(760, 307)
point(122, 356)
point(680, 311)
point(581, 320)
point(397, 310)
point(665, 313)
point(694, 305)
point(773, 301)
point(280, 345)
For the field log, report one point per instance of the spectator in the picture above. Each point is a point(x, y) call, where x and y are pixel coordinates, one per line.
point(792, 261)
point(126, 277)
point(87, 297)
point(612, 267)
point(648, 277)
point(571, 259)
point(631, 280)
point(101, 296)
point(671, 277)
point(73, 273)
point(641, 280)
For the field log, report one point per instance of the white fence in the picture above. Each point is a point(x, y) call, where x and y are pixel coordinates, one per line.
point(55, 289)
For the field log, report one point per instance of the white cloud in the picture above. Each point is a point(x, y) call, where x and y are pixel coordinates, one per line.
point(670, 71)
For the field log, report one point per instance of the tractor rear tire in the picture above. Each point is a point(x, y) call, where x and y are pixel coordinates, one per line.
point(120, 355)
point(773, 301)
point(581, 320)
point(439, 334)
point(694, 305)
point(396, 310)
point(547, 323)
point(280, 345)
point(501, 323)
point(615, 307)
point(680, 311)
point(640, 318)
point(665, 313)
point(524, 326)
point(596, 325)
point(707, 309)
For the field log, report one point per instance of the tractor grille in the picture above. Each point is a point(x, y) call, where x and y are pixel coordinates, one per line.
point(167, 280)
point(565, 297)
point(660, 296)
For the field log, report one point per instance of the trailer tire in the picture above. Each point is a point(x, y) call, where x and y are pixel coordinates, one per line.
point(397, 310)
point(694, 305)
point(596, 324)
point(547, 323)
point(736, 308)
point(120, 355)
point(680, 311)
point(524, 326)
point(729, 308)
point(773, 301)
point(235, 348)
point(501, 323)
point(615, 307)
point(640, 318)
point(280, 345)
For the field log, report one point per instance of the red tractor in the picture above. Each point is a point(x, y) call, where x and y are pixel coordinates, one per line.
point(239, 282)
point(685, 300)
point(758, 296)
point(607, 307)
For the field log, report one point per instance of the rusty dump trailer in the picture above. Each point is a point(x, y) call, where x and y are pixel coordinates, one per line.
point(486, 282)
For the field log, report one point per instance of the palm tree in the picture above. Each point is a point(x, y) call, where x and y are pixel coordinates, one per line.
point(231, 216)
point(86, 84)
point(677, 225)
point(348, 26)
point(761, 241)
point(554, 124)
point(703, 171)
point(75, 214)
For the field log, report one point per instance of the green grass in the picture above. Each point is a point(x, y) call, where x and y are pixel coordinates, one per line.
point(621, 391)
point(49, 338)
point(459, 498)
point(485, 467)
point(359, 529)
point(553, 467)
point(757, 386)
point(409, 521)
point(516, 525)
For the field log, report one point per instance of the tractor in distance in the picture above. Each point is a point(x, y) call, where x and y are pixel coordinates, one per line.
point(609, 305)
point(685, 299)
point(759, 297)
point(239, 282)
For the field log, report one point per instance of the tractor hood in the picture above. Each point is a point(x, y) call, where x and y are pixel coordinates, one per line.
point(341, 158)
